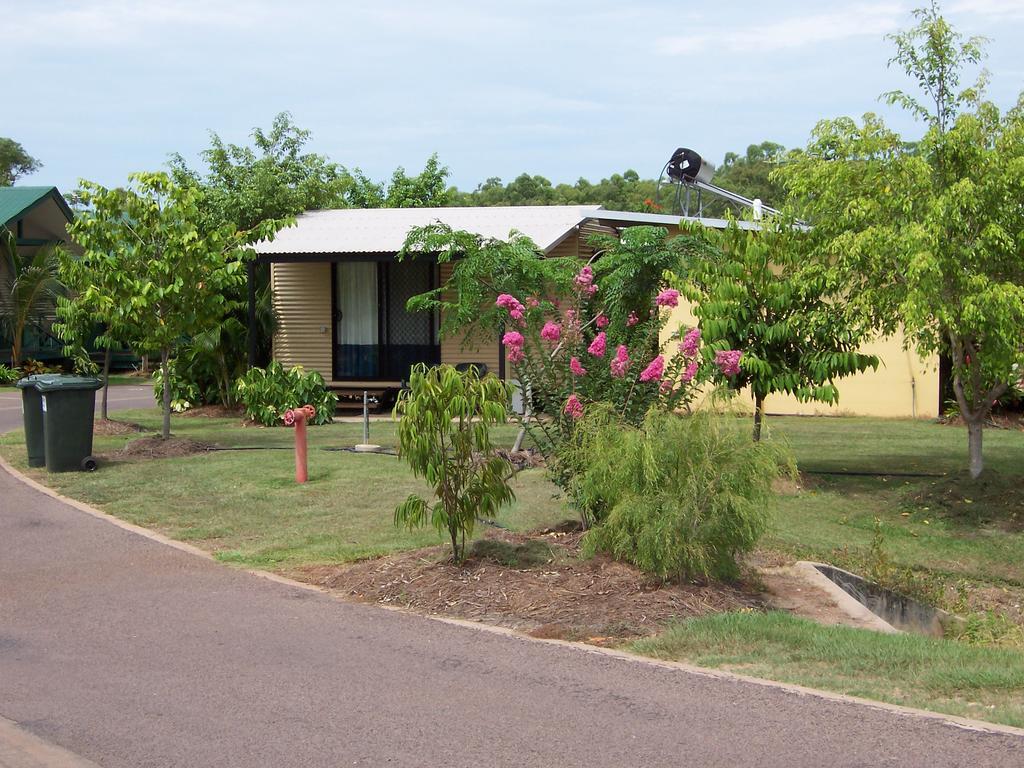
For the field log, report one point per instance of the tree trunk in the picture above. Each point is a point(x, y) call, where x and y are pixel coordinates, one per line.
point(758, 417)
point(975, 433)
point(225, 378)
point(107, 355)
point(166, 374)
point(16, 348)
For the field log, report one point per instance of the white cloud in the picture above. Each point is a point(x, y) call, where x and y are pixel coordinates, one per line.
point(992, 9)
point(113, 22)
point(793, 32)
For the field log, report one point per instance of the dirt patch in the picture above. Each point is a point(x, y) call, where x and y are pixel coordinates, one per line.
point(557, 595)
point(158, 448)
point(525, 459)
point(1000, 420)
point(215, 412)
point(110, 428)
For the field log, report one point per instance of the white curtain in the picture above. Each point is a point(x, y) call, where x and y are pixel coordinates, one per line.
point(357, 302)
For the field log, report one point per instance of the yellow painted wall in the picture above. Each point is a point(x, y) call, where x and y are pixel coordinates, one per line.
point(903, 386)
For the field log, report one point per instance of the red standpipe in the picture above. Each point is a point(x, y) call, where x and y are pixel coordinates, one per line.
point(298, 417)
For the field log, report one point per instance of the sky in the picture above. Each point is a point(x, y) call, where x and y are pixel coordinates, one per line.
point(100, 88)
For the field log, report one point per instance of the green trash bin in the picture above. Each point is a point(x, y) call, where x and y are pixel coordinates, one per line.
point(32, 413)
point(69, 404)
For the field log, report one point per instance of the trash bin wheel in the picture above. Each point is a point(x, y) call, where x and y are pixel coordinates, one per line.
point(89, 464)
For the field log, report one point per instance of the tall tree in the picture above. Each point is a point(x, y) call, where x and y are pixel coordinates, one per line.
point(274, 178)
point(929, 237)
point(15, 162)
point(156, 269)
point(757, 292)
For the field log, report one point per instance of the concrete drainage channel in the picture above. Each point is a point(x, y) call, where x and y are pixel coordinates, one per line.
point(879, 608)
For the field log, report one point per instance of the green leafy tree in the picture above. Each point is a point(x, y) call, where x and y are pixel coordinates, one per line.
point(756, 291)
point(750, 175)
point(427, 189)
point(274, 178)
point(482, 269)
point(157, 271)
point(15, 162)
point(29, 287)
point(930, 236)
point(444, 435)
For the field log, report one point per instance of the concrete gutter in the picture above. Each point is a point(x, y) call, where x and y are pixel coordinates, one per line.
point(845, 602)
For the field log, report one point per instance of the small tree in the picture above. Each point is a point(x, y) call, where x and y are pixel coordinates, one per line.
point(929, 236)
point(444, 434)
point(756, 291)
point(155, 272)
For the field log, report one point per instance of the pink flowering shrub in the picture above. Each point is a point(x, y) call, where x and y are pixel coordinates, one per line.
point(548, 345)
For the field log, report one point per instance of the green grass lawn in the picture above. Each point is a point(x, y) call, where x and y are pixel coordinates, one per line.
point(246, 507)
point(983, 683)
point(977, 539)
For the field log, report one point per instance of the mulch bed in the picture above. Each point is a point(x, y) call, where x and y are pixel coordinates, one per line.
point(598, 600)
point(109, 428)
point(215, 411)
point(157, 448)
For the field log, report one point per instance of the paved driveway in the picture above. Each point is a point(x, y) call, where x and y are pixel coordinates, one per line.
point(131, 653)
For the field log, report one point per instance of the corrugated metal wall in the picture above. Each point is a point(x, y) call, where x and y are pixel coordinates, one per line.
point(302, 302)
point(455, 351)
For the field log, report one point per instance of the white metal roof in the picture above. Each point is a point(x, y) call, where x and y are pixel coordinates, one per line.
point(383, 230)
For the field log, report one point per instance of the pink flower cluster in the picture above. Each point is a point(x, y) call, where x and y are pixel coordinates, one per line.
point(601, 321)
point(573, 407)
point(690, 372)
point(598, 345)
point(585, 281)
point(513, 341)
point(515, 309)
point(728, 361)
point(655, 370)
point(690, 343)
point(620, 364)
point(632, 320)
point(577, 367)
point(668, 298)
point(551, 332)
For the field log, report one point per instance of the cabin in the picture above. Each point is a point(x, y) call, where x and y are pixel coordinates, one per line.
point(37, 217)
point(339, 296)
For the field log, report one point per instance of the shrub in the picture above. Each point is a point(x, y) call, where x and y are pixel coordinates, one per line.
point(9, 375)
point(266, 393)
point(32, 367)
point(444, 435)
point(678, 496)
point(185, 391)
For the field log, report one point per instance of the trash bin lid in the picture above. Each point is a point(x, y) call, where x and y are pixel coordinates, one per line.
point(32, 382)
point(62, 383)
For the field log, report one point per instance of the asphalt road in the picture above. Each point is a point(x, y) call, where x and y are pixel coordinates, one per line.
point(131, 653)
point(120, 398)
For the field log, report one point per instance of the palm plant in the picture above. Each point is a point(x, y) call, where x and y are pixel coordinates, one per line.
point(29, 287)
